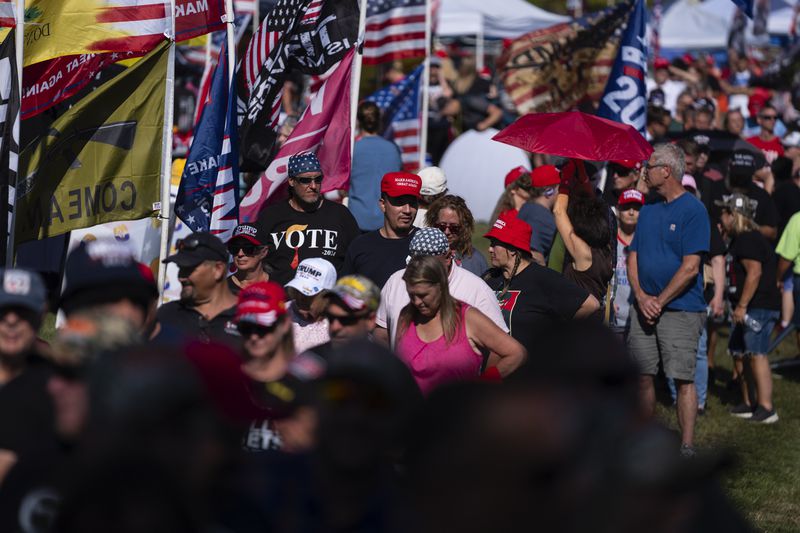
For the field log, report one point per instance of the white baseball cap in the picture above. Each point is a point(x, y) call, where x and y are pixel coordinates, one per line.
point(792, 140)
point(313, 276)
point(433, 181)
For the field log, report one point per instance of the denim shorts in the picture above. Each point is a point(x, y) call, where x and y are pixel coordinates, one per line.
point(745, 341)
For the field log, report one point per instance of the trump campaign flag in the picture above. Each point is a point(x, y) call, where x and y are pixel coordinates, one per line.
point(209, 190)
point(323, 128)
point(625, 97)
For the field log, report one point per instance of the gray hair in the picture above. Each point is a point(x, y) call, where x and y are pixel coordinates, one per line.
point(671, 156)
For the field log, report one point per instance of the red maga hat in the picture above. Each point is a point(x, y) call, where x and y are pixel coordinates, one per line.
point(514, 174)
point(545, 176)
point(661, 62)
point(631, 196)
point(513, 232)
point(396, 184)
point(630, 164)
point(261, 303)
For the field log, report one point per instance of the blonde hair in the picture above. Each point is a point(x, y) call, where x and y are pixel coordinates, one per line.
point(506, 201)
point(741, 223)
point(430, 270)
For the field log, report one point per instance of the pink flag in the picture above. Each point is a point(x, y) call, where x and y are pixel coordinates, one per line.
point(324, 128)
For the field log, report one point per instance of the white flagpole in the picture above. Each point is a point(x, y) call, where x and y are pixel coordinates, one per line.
point(230, 27)
point(19, 42)
point(355, 80)
point(166, 152)
point(256, 16)
point(426, 74)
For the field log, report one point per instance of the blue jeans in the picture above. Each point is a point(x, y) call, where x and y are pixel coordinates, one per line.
point(700, 372)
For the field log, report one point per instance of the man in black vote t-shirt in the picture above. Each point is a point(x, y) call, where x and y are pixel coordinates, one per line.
point(306, 225)
point(380, 253)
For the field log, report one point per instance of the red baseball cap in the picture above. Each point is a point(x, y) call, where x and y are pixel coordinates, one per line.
point(513, 232)
point(631, 196)
point(261, 303)
point(396, 184)
point(630, 164)
point(514, 174)
point(661, 62)
point(545, 176)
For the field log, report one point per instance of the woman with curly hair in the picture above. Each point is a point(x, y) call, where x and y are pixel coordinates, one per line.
point(451, 215)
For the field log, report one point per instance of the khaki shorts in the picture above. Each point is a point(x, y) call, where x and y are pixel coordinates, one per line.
point(673, 339)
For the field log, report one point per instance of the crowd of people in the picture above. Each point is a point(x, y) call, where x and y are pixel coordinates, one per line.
point(362, 366)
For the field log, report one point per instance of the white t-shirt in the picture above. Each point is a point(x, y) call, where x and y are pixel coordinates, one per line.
point(464, 286)
point(672, 90)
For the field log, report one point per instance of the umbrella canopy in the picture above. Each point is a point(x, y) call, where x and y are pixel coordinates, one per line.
point(576, 135)
point(720, 143)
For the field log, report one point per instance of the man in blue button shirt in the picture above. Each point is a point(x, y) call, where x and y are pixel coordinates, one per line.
point(664, 271)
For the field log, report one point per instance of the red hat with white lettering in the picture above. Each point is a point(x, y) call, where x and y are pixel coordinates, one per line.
point(512, 232)
point(631, 196)
point(630, 164)
point(514, 174)
point(261, 303)
point(545, 176)
point(661, 62)
point(396, 184)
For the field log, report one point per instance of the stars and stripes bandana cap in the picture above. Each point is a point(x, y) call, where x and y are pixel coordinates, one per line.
point(428, 241)
point(302, 163)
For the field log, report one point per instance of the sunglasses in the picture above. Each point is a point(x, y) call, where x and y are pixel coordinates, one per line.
point(444, 226)
point(308, 181)
point(400, 201)
point(248, 249)
point(189, 244)
point(349, 320)
point(247, 329)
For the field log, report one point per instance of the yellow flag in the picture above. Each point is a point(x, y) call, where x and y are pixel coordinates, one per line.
point(55, 28)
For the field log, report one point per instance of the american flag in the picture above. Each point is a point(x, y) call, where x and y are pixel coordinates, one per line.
point(400, 105)
point(7, 15)
point(395, 30)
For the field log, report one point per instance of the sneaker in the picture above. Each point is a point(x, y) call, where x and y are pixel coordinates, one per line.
point(764, 416)
point(687, 451)
point(701, 411)
point(742, 411)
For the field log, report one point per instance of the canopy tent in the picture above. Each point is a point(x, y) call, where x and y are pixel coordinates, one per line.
point(499, 19)
point(689, 24)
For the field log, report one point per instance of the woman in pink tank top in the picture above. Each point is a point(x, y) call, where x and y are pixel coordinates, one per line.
point(440, 338)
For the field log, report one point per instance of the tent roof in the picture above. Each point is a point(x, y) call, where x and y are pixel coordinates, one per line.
point(695, 24)
point(499, 19)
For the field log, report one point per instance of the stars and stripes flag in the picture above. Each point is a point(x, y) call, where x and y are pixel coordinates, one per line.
point(9, 137)
point(395, 30)
point(7, 15)
point(209, 190)
point(400, 105)
point(308, 36)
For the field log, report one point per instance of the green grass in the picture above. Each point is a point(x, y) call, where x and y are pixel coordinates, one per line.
point(764, 482)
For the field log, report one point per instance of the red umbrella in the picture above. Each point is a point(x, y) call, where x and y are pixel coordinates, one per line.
point(576, 135)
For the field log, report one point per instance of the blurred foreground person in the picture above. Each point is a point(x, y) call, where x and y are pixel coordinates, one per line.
point(561, 446)
point(441, 339)
point(26, 412)
point(533, 298)
point(207, 306)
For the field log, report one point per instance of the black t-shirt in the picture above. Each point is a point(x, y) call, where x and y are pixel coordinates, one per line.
point(26, 410)
point(787, 201)
point(753, 245)
point(326, 233)
point(193, 324)
point(376, 257)
point(537, 299)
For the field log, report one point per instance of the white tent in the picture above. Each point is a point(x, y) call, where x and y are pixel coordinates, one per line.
point(475, 167)
point(689, 24)
point(499, 19)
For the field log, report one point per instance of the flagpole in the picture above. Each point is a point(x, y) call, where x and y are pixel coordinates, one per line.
point(355, 81)
point(166, 151)
point(19, 43)
point(256, 16)
point(230, 26)
point(426, 74)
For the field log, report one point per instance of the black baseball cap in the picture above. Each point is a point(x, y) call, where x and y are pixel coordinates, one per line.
point(744, 163)
point(251, 233)
point(196, 248)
